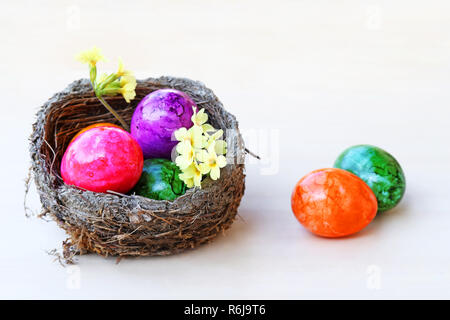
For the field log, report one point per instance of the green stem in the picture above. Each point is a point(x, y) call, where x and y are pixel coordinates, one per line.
point(115, 114)
point(112, 77)
point(93, 76)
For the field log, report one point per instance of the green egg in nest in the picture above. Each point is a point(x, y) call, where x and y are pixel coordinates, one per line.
point(160, 181)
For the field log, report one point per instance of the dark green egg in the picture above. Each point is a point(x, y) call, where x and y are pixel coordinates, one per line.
point(379, 169)
point(160, 181)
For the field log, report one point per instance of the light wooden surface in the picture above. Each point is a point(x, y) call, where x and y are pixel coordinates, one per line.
point(311, 77)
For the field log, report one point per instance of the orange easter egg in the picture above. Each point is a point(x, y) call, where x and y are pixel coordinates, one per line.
point(333, 203)
point(95, 125)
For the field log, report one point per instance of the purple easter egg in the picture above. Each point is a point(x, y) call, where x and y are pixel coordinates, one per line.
point(155, 119)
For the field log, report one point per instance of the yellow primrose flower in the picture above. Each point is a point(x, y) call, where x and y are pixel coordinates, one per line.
point(128, 92)
point(127, 87)
point(200, 150)
point(216, 135)
point(192, 175)
point(187, 155)
point(189, 182)
point(194, 136)
point(220, 147)
point(182, 134)
point(207, 128)
point(128, 79)
point(121, 70)
point(91, 56)
point(215, 138)
point(211, 162)
point(109, 85)
point(200, 118)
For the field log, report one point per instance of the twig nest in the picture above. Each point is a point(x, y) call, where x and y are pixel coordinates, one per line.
point(131, 225)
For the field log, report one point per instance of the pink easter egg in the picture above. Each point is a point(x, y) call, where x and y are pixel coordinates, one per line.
point(102, 159)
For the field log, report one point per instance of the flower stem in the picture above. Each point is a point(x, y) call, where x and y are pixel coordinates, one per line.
point(115, 114)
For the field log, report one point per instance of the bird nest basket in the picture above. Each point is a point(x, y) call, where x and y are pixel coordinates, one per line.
point(112, 224)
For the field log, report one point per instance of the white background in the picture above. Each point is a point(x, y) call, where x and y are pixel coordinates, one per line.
point(323, 75)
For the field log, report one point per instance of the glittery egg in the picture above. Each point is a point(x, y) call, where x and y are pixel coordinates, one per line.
point(102, 159)
point(333, 203)
point(160, 181)
point(379, 170)
point(156, 118)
